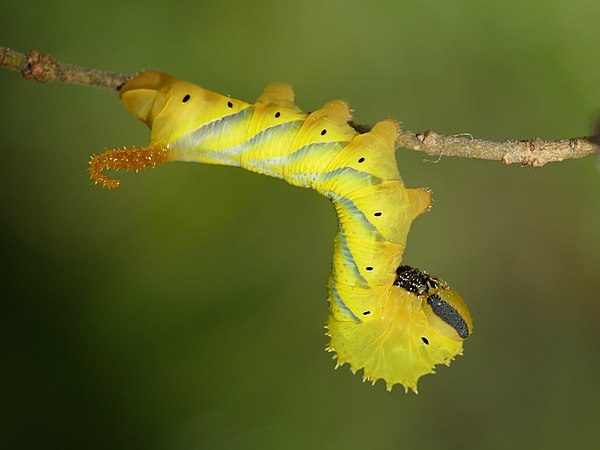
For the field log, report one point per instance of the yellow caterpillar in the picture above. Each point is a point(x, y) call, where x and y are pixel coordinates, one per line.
point(394, 322)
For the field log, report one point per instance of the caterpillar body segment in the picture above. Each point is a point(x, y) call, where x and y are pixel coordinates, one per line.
point(388, 343)
point(379, 321)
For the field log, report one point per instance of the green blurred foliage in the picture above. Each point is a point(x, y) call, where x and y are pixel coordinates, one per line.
point(186, 310)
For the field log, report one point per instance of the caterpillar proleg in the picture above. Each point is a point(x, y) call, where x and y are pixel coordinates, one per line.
point(394, 322)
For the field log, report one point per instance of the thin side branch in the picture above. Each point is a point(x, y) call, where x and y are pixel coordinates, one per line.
point(532, 152)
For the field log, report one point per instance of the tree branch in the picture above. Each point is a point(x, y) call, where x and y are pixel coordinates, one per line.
point(532, 152)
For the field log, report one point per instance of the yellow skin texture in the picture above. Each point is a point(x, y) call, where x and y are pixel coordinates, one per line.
point(373, 325)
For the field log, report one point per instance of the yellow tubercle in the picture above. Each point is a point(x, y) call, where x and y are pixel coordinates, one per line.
point(419, 201)
point(280, 94)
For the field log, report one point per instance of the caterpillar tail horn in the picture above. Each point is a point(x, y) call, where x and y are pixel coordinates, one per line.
point(135, 158)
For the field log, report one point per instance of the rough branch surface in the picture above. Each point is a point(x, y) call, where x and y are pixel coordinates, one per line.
point(43, 68)
point(532, 152)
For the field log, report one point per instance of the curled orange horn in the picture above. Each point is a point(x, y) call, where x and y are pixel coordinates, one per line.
point(126, 158)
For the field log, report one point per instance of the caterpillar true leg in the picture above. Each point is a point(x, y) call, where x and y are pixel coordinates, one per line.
point(394, 323)
point(135, 158)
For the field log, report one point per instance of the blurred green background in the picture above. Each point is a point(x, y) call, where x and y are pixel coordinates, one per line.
point(186, 310)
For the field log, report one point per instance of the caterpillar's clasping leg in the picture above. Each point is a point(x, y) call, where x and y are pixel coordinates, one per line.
point(125, 158)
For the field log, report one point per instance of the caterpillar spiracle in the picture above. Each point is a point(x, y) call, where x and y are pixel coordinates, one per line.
point(394, 322)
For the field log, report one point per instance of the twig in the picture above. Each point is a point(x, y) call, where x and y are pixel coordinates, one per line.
point(532, 152)
point(43, 68)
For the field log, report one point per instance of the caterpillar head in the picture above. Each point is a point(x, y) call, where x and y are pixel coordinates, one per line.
point(411, 327)
point(445, 309)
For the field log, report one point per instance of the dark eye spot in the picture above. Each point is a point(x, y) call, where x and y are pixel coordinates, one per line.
point(277, 114)
point(377, 214)
point(361, 160)
point(448, 314)
point(323, 132)
point(369, 268)
point(186, 98)
point(366, 313)
point(425, 340)
point(230, 104)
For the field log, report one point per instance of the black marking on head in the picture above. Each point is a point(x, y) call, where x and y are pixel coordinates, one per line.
point(277, 114)
point(230, 104)
point(415, 281)
point(448, 314)
point(186, 98)
point(425, 340)
point(366, 313)
point(432, 282)
point(361, 159)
